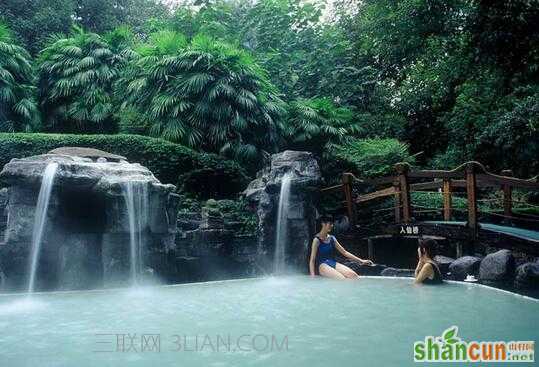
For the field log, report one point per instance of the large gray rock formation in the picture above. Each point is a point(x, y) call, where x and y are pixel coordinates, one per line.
point(3, 213)
point(463, 266)
point(443, 263)
point(527, 276)
point(87, 236)
point(263, 193)
point(497, 267)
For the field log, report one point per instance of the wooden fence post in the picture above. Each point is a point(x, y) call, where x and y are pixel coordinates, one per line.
point(396, 186)
point(350, 206)
point(507, 196)
point(471, 190)
point(402, 170)
point(447, 198)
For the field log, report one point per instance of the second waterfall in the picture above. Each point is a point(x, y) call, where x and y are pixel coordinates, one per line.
point(281, 237)
point(136, 196)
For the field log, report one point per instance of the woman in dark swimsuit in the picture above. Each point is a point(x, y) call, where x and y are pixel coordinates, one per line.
point(427, 270)
point(323, 252)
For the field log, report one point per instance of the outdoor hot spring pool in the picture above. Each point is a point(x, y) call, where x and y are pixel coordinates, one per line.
point(289, 321)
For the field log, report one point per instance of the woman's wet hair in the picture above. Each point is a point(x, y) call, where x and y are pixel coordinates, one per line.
point(326, 219)
point(428, 246)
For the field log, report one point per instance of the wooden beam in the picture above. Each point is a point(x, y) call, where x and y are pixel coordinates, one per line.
point(331, 188)
point(471, 190)
point(447, 199)
point(507, 195)
point(397, 189)
point(496, 181)
point(376, 194)
point(402, 171)
point(435, 174)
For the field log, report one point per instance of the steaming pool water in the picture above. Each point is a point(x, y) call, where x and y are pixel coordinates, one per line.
point(288, 321)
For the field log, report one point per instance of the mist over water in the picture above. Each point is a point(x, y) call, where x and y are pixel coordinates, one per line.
point(325, 322)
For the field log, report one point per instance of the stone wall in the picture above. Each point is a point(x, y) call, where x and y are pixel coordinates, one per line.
point(209, 248)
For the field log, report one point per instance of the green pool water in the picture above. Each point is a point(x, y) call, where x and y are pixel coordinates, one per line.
point(289, 321)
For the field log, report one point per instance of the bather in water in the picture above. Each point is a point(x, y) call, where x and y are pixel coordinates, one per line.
point(324, 247)
point(427, 270)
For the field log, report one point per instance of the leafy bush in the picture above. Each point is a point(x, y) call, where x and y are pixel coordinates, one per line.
point(171, 163)
point(203, 93)
point(18, 108)
point(236, 213)
point(76, 75)
point(372, 157)
point(239, 211)
point(132, 121)
point(313, 123)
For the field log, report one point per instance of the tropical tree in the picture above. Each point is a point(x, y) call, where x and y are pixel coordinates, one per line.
point(203, 93)
point(284, 34)
point(76, 75)
point(102, 16)
point(33, 21)
point(373, 157)
point(314, 123)
point(18, 108)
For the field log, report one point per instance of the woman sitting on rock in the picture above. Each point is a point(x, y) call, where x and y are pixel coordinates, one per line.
point(323, 255)
point(427, 270)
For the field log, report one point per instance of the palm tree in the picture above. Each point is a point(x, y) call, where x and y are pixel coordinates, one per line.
point(315, 124)
point(76, 75)
point(18, 108)
point(204, 93)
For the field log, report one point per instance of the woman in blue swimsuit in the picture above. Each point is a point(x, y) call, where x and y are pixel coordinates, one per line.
point(323, 255)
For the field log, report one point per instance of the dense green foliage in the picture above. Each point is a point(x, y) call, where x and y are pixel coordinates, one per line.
point(203, 93)
point(452, 81)
point(171, 163)
point(236, 214)
point(33, 21)
point(463, 73)
point(312, 124)
point(76, 75)
point(373, 157)
point(18, 109)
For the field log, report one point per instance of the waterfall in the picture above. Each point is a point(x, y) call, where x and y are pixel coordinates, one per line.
point(136, 198)
point(40, 219)
point(281, 237)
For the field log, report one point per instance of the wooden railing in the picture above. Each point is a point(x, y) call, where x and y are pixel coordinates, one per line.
point(469, 177)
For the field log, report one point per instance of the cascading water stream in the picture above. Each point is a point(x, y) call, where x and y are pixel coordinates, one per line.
point(40, 220)
point(136, 198)
point(282, 225)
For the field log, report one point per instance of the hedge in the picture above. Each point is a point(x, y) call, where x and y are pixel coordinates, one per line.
point(171, 163)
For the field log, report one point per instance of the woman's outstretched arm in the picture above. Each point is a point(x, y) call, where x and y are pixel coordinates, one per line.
point(350, 255)
point(314, 250)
